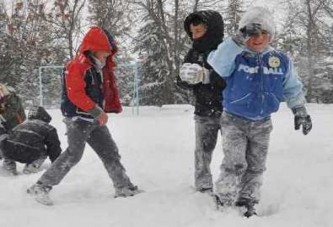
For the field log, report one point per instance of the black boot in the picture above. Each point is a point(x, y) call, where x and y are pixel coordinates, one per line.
point(208, 191)
point(250, 211)
point(248, 204)
point(218, 202)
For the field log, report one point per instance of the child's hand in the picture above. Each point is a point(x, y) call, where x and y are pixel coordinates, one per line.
point(102, 118)
point(99, 115)
point(194, 74)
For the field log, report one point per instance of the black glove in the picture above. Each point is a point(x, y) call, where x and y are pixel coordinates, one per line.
point(302, 119)
point(245, 33)
point(250, 30)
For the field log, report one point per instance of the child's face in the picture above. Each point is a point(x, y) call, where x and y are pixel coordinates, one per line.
point(258, 42)
point(102, 55)
point(198, 30)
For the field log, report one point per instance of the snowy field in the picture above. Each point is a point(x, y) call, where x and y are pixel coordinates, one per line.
point(157, 151)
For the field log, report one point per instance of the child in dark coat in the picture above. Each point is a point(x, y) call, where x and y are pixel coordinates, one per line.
point(206, 29)
point(32, 141)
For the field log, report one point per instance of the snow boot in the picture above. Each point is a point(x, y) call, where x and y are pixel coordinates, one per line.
point(208, 191)
point(41, 194)
point(127, 191)
point(28, 169)
point(248, 204)
point(34, 166)
point(218, 202)
point(9, 166)
point(10, 172)
point(250, 211)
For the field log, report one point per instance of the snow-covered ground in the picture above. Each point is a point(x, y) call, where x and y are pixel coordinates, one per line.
point(157, 151)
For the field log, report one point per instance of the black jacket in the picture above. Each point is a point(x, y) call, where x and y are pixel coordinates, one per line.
point(32, 139)
point(208, 97)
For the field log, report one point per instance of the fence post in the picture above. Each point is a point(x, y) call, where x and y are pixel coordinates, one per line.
point(136, 88)
point(41, 81)
point(40, 86)
point(136, 104)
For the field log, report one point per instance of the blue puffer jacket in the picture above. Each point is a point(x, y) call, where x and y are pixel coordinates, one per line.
point(256, 82)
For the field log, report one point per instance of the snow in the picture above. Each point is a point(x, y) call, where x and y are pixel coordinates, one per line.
point(157, 151)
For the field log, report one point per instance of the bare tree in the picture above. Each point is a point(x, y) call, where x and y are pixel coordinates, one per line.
point(311, 19)
point(65, 18)
point(27, 44)
point(307, 37)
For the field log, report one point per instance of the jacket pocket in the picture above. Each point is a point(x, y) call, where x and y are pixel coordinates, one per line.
point(242, 100)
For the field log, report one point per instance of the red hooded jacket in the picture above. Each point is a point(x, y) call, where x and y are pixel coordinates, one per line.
point(96, 39)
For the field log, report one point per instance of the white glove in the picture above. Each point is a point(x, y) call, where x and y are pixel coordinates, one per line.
point(194, 74)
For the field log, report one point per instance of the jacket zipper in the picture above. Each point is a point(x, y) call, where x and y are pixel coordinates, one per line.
point(261, 92)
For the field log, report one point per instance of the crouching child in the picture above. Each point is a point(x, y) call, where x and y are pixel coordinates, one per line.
point(31, 142)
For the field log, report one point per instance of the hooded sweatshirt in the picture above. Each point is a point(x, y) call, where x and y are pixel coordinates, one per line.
point(208, 97)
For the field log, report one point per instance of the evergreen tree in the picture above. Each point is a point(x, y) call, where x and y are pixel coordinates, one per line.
point(152, 70)
point(232, 16)
point(306, 36)
point(169, 43)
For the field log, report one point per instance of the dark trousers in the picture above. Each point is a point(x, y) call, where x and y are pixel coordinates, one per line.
point(80, 132)
point(206, 133)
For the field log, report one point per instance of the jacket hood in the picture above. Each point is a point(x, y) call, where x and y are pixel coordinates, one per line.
point(39, 113)
point(98, 39)
point(215, 29)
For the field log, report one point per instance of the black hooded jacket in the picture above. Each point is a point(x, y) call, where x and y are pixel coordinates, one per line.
point(208, 97)
point(32, 139)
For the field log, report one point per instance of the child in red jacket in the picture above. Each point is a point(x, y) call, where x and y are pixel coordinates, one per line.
point(89, 93)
